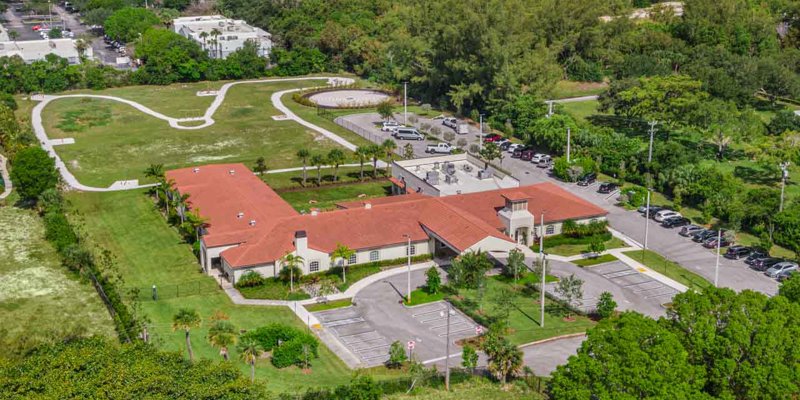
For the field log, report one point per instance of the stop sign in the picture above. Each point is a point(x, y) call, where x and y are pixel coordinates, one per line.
point(411, 345)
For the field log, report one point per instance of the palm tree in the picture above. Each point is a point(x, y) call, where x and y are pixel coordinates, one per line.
point(291, 266)
point(222, 335)
point(194, 223)
point(318, 160)
point(362, 153)
point(344, 253)
point(215, 33)
point(375, 151)
point(186, 319)
point(337, 158)
point(249, 351)
point(303, 154)
point(389, 146)
point(204, 36)
point(155, 171)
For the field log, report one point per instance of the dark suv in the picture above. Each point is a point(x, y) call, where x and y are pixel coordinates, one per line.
point(519, 150)
point(675, 222)
point(737, 252)
point(526, 154)
point(701, 236)
point(587, 179)
point(763, 264)
point(754, 255)
point(607, 187)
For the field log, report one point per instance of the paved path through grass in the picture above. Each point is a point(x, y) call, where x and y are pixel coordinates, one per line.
point(6, 178)
point(72, 181)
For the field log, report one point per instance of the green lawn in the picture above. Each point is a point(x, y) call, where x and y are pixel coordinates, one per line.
point(149, 252)
point(582, 109)
point(567, 89)
point(671, 269)
point(114, 141)
point(274, 289)
point(578, 247)
point(525, 316)
point(40, 300)
point(329, 305)
point(588, 262)
point(421, 296)
point(294, 179)
point(325, 198)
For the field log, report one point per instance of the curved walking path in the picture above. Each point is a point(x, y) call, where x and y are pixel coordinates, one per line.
point(6, 178)
point(70, 179)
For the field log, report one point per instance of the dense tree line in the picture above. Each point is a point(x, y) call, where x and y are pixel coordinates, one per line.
point(713, 345)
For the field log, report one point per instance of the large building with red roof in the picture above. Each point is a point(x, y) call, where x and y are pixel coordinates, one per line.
point(250, 228)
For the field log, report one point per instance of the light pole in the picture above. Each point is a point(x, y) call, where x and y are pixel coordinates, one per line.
point(480, 135)
point(568, 140)
point(716, 267)
point(784, 177)
point(447, 347)
point(543, 264)
point(647, 209)
point(408, 253)
point(405, 103)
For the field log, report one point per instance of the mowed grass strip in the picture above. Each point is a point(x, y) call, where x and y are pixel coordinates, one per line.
point(149, 252)
point(325, 198)
point(329, 305)
point(121, 148)
point(671, 269)
point(588, 262)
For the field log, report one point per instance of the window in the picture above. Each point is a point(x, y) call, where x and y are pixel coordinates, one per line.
point(314, 266)
point(549, 230)
point(413, 249)
point(374, 255)
point(593, 220)
point(353, 258)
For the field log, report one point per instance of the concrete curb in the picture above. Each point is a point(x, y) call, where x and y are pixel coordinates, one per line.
point(552, 339)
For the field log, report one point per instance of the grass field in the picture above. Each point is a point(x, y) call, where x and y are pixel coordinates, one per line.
point(567, 89)
point(325, 198)
point(150, 252)
point(570, 249)
point(525, 316)
point(671, 269)
point(588, 262)
point(421, 296)
point(580, 110)
point(114, 141)
point(294, 179)
point(330, 305)
point(40, 300)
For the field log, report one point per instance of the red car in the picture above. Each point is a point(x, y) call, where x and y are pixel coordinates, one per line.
point(36, 27)
point(492, 138)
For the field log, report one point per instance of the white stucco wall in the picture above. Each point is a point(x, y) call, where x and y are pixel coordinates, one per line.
point(211, 252)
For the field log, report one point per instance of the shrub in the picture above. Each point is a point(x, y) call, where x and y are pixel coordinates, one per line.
point(606, 305)
point(433, 282)
point(461, 142)
point(268, 336)
point(574, 230)
point(250, 279)
point(397, 355)
point(297, 351)
point(449, 136)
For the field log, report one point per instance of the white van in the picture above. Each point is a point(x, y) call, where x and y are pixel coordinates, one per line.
point(408, 134)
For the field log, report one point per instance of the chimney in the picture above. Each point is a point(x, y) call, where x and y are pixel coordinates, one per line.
point(252, 222)
point(300, 242)
point(368, 206)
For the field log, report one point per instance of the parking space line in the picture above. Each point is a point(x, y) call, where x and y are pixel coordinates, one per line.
point(452, 332)
point(340, 322)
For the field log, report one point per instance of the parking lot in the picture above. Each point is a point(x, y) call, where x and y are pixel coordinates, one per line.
point(368, 126)
point(377, 319)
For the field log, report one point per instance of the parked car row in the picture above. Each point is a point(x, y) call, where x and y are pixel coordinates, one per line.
point(758, 259)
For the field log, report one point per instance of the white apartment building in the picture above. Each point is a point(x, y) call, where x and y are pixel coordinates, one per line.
point(220, 36)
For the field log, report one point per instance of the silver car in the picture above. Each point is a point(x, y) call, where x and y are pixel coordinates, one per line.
point(780, 269)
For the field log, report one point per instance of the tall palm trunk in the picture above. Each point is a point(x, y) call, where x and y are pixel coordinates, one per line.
point(319, 175)
point(224, 352)
point(304, 172)
point(361, 172)
point(189, 346)
point(252, 371)
point(336, 172)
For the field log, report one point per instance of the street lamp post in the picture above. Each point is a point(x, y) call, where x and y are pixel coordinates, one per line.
point(784, 177)
point(543, 264)
point(568, 143)
point(405, 103)
point(447, 348)
point(408, 253)
point(480, 135)
point(716, 266)
point(647, 209)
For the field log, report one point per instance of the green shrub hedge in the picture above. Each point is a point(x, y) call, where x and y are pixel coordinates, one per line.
point(250, 279)
point(558, 240)
point(575, 230)
point(285, 342)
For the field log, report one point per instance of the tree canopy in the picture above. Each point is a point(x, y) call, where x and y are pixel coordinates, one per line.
point(128, 23)
point(33, 172)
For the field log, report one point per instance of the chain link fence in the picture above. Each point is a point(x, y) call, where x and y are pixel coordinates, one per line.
point(157, 291)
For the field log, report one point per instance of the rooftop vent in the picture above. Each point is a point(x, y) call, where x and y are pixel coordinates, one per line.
point(314, 212)
point(196, 170)
point(368, 206)
point(232, 172)
point(252, 222)
point(240, 215)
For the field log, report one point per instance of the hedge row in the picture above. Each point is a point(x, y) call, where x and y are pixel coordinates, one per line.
point(558, 240)
point(76, 256)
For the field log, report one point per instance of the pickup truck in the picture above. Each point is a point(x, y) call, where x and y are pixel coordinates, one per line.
point(463, 129)
point(443, 148)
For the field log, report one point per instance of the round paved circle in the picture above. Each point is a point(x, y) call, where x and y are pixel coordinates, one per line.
point(349, 98)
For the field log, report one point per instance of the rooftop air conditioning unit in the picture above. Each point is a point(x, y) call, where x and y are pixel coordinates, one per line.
point(232, 172)
point(196, 170)
point(252, 222)
point(240, 215)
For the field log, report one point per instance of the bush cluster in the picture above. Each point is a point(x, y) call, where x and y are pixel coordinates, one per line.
point(570, 228)
point(287, 344)
point(250, 279)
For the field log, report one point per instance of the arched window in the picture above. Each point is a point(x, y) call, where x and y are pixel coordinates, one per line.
point(314, 266)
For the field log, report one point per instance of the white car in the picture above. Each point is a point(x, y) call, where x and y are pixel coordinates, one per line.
point(664, 214)
point(450, 122)
point(390, 125)
point(514, 147)
point(781, 268)
point(537, 158)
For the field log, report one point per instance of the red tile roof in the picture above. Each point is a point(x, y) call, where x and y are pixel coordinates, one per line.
point(461, 220)
point(220, 196)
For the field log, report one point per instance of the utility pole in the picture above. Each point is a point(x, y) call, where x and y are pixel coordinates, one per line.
point(408, 251)
point(480, 135)
point(543, 264)
point(716, 267)
point(568, 143)
point(649, 173)
point(405, 103)
point(784, 177)
point(447, 349)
